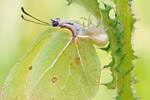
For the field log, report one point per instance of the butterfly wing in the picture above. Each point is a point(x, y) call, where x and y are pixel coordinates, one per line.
point(55, 67)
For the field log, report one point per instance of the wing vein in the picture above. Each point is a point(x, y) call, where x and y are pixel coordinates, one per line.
point(69, 74)
point(52, 63)
point(83, 67)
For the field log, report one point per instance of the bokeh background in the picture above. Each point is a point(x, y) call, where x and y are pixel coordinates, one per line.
point(16, 36)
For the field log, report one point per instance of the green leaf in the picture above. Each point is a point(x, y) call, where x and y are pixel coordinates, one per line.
point(111, 64)
point(111, 84)
point(55, 67)
point(106, 48)
point(89, 5)
point(107, 8)
point(69, 2)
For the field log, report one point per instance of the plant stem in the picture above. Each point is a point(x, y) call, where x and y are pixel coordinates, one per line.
point(124, 91)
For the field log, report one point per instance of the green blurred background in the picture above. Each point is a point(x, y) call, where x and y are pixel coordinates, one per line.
point(16, 36)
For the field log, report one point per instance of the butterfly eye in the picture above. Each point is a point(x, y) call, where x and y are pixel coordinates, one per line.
point(55, 23)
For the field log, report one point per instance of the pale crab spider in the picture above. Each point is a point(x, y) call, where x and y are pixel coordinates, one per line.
point(97, 35)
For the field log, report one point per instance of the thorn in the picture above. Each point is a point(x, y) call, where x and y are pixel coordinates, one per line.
point(112, 56)
point(103, 2)
point(101, 69)
point(124, 43)
point(139, 97)
point(125, 54)
point(133, 65)
point(105, 67)
point(136, 57)
point(135, 74)
point(136, 14)
point(132, 44)
point(113, 8)
point(136, 28)
point(139, 57)
point(113, 68)
point(113, 98)
point(129, 5)
point(138, 20)
point(102, 83)
point(139, 81)
point(132, 68)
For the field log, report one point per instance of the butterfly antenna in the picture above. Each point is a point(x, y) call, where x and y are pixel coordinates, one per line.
point(32, 17)
point(33, 21)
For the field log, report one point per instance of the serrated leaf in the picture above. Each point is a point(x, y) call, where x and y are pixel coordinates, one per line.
point(111, 84)
point(106, 48)
point(111, 64)
point(89, 5)
point(55, 67)
point(107, 8)
point(114, 22)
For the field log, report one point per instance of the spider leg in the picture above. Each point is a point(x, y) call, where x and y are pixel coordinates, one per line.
point(101, 21)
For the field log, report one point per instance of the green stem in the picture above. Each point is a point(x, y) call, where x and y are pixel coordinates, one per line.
point(124, 91)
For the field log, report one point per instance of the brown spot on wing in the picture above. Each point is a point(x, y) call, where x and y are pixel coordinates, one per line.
point(72, 66)
point(77, 60)
point(30, 68)
point(54, 79)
